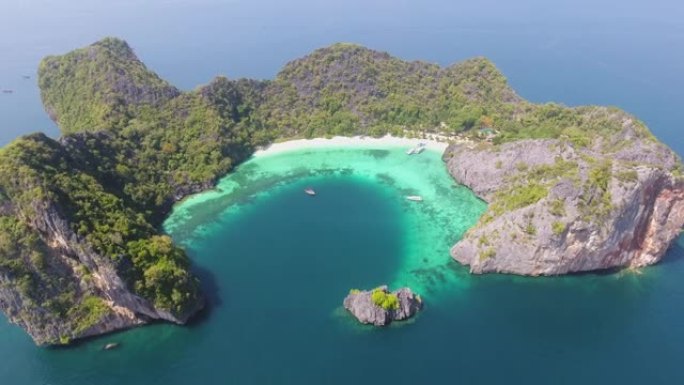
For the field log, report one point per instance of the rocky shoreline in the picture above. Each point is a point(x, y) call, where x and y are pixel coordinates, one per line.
point(574, 224)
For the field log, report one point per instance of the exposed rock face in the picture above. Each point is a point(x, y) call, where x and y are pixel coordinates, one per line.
point(575, 225)
point(106, 279)
point(71, 274)
point(57, 281)
point(364, 308)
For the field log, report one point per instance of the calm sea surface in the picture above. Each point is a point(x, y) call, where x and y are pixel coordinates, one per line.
point(276, 264)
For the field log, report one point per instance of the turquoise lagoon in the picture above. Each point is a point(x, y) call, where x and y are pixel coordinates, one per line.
point(363, 187)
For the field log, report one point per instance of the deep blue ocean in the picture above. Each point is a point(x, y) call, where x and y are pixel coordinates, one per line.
point(276, 268)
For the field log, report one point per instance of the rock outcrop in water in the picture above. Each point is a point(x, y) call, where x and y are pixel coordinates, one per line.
point(380, 306)
point(81, 252)
point(556, 207)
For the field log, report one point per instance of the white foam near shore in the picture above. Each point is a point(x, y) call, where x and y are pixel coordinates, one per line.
point(354, 141)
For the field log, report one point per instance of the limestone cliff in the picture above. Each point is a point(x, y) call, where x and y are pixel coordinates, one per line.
point(57, 279)
point(72, 291)
point(556, 207)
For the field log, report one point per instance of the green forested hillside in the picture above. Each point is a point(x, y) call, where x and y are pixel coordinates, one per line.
point(36, 173)
point(347, 89)
point(99, 87)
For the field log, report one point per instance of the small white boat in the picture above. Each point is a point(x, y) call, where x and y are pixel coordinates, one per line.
point(309, 191)
point(111, 346)
point(416, 150)
point(415, 198)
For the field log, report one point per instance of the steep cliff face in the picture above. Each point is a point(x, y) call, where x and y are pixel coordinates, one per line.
point(56, 298)
point(49, 293)
point(60, 279)
point(558, 208)
point(68, 291)
point(107, 279)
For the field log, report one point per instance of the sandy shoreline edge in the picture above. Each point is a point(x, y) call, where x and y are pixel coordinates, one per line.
point(353, 141)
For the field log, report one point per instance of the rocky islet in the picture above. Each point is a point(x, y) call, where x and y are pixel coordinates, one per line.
point(380, 307)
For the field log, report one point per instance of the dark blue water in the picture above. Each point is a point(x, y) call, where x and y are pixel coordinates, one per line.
point(275, 295)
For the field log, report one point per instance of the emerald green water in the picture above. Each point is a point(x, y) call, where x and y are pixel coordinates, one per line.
point(419, 234)
point(276, 264)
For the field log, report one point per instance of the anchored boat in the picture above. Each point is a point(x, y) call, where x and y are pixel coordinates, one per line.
point(111, 346)
point(416, 150)
point(309, 191)
point(415, 198)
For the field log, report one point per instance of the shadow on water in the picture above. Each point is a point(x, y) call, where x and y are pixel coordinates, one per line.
point(378, 154)
point(675, 253)
point(210, 289)
point(597, 273)
point(672, 256)
point(104, 338)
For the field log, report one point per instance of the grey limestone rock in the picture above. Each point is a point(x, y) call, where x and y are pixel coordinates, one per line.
point(361, 305)
point(638, 215)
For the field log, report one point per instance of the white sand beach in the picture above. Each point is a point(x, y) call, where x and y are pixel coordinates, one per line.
point(354, 141)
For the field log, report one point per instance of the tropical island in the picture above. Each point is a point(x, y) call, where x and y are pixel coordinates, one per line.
point(81, 250)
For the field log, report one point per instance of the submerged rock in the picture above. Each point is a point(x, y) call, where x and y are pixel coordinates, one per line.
point(380, 306)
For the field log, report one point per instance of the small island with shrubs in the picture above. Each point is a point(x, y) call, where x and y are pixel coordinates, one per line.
point(380, 306)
